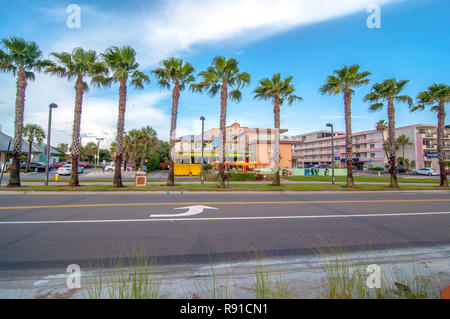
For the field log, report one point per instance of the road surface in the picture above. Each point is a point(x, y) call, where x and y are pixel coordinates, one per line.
point(50, 231)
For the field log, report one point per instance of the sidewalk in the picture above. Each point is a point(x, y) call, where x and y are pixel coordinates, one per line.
point(178, 182)
point(299, 277)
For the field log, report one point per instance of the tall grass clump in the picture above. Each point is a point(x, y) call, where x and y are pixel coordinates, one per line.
point(137, 279)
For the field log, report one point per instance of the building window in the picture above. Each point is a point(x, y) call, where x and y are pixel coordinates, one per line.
point(372, 145)
point(427, 164)
point(372, 155)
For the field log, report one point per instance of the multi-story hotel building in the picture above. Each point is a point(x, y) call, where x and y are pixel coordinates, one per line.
point(244, 147)
point(368, 150)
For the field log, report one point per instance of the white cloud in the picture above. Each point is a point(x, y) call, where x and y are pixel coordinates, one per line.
point(177, 26)
point(99, 114)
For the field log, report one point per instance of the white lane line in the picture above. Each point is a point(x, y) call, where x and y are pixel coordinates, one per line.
point(216, 218)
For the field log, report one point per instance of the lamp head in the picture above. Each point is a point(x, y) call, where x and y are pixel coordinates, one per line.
point(53, 106)
point(202, 118)
point(329, 125)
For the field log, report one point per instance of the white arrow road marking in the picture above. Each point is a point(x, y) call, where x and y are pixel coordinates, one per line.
point(192, 210)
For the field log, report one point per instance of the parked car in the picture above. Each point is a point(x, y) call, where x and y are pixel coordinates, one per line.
point(35, 166)
point(400, 169)
point(321, 166)
point(83, 164)
point(58, 165)
point(112, 167)
point(426, 171)
point(67, 169)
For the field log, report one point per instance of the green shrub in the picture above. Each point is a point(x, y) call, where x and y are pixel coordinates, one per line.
point(376, 169)
point(239, 177)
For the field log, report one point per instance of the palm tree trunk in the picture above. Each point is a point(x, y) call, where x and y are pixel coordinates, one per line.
point(120, 129)
point(348, 137)
point(173, 128)
point(79, 90)
point(391, 141)
point(276, 151)
point(223, 131)
point(440, 144)
point(14, 177)
point(30, 143)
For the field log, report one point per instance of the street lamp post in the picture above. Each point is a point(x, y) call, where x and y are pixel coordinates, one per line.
point(47, 161)
point(332, 152)
point(98, 149)
point(203, 132)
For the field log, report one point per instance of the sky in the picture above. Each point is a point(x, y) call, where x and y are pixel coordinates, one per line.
point(305, 39)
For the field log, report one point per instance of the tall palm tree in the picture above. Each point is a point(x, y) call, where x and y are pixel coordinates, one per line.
point(403, 141)
point(125, 71)
point(174, 72)
point(388, 91)
point(437, 96)
point(342, 82)
point(32, 132)
point(278, 91)
point(78, 65)
point(21, 58)
point(221, 75)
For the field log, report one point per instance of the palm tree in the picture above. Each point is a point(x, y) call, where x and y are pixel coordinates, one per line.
point(63, 148)
point(278, 91)
point(381, 127)
point(179, 74)
point(403, 141)
point(123, 66)
point(32, 132)
point(388, 91)
point(147, 142)
point(78, 65)
point(21, 58)
point(221, 75)
point(437, 96)
point(343, 82)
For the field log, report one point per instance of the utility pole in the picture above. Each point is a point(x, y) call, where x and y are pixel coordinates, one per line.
point(47, 161)
point(98, 149)
point(203, 133)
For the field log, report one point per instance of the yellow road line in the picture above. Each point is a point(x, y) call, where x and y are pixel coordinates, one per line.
point(228, 203)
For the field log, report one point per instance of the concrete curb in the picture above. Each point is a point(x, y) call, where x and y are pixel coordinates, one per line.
point(150, 192)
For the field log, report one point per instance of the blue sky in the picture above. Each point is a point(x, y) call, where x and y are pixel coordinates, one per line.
point(305, 39)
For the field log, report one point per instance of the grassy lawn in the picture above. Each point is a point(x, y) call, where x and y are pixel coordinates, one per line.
point(233, 187)
point(361, 179)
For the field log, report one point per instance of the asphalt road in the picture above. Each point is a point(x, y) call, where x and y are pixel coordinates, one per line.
point(50, 231)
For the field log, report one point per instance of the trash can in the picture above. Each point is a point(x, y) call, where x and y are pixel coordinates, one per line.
point(306, 172)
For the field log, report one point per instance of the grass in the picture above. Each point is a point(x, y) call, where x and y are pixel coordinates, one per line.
point(267, 286)
point(347, 279)
point(137, 280)
point(232, 187)
point(361, 179)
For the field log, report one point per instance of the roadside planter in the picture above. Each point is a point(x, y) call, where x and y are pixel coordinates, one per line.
point(140, 179)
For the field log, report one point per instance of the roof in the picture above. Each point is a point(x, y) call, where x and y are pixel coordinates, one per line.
point(36, 148)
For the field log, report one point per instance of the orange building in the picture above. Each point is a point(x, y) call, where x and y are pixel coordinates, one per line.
point(246, 148)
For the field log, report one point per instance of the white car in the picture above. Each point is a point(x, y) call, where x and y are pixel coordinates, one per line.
point(112, 167)
point(426, 171)
point(67, 170)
